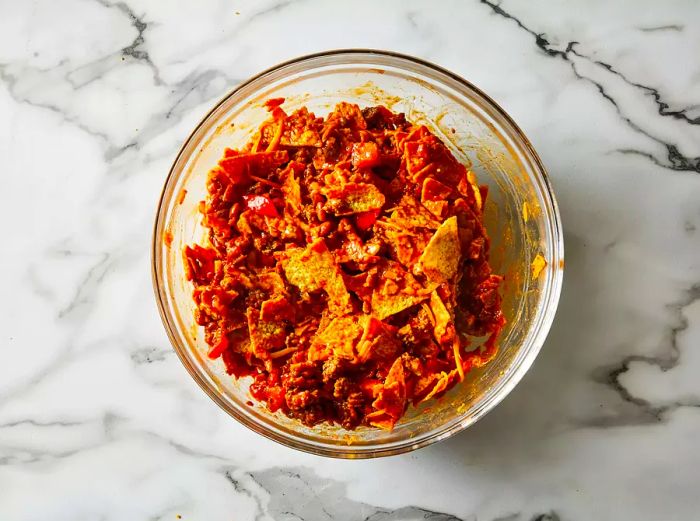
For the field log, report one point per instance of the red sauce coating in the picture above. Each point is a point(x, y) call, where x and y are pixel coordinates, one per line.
point(346, 266)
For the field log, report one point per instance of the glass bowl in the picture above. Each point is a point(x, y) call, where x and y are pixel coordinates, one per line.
point(521, 218)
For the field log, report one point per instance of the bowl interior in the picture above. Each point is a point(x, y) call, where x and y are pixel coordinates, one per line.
point(520, 217)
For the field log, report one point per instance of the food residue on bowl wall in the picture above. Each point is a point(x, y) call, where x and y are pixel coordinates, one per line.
point(538, 264)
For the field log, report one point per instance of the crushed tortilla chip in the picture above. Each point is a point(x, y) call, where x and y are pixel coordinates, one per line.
point(442, 317)
point(354, 198)
point(379, 341)
point(272, 282)
point(276, 309)
point(301, 129)
point(408, 231)
point(440, 260)
point(397, 290)
point(264, 335)
point(292, 191)
point(391, 402)
point(297, 273)
point(314, 268)
point(407, 246)
point(338, 338)
point(437, 208)
point(440, 385)
point(240, 167)
point(348, 113)
point(411, 214)
point(434, 190)
point(430, 157)
point(328, 276)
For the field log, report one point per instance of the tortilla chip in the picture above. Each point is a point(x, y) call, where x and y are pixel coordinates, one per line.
point(264, 335)
point(329, 277)
point(272, 282)
point(260, 164)
point(338, 338)
point(411, 214)
point(391, 402)
point(423, 384)
point(407, 246)
point(292, 191)
point(352, 198)
point(434, 190)
point(379, 341)
point(416, 155)
point(440, 260)
point(381, 419)
point(358, 285)
point(408, 231)
point(437, 208)
point(314, 268)
point(443, 319)
point(276, 309)
point(430, 156)
point(397, 290)
point(440, 385)
point(297, 272)
point(301, 129)
point(350, 114)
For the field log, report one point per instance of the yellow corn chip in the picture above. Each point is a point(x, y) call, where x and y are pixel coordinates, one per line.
point(440, 260)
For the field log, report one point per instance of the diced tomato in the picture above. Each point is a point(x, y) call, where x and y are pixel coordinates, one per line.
point(199, 263)
point(218, 349)
point(366, 220)
point(261, 205)
point(273, 103)
point(258, 388)
point(365, 154)
point(275, 398)
point(235, 363)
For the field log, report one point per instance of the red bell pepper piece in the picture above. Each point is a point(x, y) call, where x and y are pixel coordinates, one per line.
point(218, 349)
point(261, 205)
point(366, 220)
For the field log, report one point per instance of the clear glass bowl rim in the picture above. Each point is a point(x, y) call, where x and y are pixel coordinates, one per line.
point(528, 350)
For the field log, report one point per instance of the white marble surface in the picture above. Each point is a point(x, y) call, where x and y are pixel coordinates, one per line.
point(98, 419)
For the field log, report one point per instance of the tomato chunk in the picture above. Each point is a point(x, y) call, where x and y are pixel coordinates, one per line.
point(261, 205)
point(365, 154)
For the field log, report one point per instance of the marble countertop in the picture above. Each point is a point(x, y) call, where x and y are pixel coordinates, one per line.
point(99, 420)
